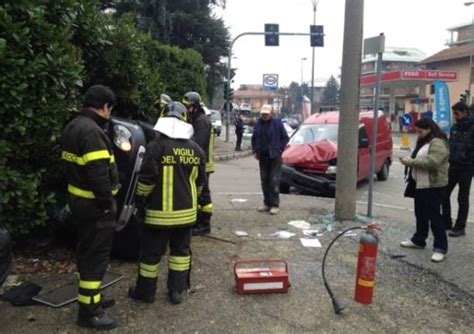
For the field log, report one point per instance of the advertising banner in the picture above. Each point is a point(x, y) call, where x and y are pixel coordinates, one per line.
point(443, 105)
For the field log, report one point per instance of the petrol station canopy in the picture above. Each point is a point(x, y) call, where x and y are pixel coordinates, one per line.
point(404, 78)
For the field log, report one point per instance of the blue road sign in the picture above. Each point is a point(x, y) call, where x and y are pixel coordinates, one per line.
point(406, 120)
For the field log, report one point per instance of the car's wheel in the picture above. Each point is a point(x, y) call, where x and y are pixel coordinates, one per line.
point(284, 188)
point(384, 171)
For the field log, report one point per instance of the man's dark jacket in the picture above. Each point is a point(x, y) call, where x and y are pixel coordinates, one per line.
point(204, 137)
point(239, 126)
point(461, 144)
point(277, 138)
point(89, 160)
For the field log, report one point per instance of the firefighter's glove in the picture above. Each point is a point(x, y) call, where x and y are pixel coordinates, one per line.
point(140, 207)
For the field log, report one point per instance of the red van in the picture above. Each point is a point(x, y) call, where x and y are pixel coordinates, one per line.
point(310, 159)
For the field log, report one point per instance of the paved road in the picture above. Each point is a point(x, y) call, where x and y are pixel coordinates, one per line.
point(241, 178)
point(412, 294)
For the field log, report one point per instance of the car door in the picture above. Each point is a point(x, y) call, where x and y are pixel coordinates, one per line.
point(363, 154)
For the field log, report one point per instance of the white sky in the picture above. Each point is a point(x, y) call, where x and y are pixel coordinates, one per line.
point(406, 23)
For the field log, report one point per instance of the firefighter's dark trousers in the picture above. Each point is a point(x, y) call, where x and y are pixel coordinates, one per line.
point(205, 207)
point(153, 246)
point(94, 243)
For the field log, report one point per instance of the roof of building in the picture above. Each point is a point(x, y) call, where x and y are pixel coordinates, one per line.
point(457, 52)
point(392, 53)
point(256, 93)
point(461, 25)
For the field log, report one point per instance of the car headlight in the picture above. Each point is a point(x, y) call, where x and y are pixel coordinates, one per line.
point(122, 138)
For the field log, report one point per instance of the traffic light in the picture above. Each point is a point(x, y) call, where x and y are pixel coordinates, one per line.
point(271, 39)
point(317, 40)
point(228, 92)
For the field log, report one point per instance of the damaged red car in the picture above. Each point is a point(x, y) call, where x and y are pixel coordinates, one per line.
point(310, 159)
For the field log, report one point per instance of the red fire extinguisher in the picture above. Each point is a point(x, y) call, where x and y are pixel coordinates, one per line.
point(366, 266)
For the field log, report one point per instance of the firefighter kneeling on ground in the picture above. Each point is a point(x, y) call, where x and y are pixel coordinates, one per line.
point(204, 136)
point(171, 178)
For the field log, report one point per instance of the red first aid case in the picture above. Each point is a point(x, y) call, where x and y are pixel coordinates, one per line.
point(261, 276)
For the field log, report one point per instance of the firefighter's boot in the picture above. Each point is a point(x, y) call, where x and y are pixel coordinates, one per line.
point(144, 291)
point(203, 225)
point(106, 302)
point(175, 297)
point(94, 317)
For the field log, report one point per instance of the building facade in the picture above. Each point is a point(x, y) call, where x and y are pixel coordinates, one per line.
point(255, 96)
point(393, 98)
point(457, 57)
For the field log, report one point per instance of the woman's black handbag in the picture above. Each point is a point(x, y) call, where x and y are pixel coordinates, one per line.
point(410, 189)
point(411, 185)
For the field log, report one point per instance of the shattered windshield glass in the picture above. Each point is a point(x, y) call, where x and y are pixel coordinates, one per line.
point(311, 133)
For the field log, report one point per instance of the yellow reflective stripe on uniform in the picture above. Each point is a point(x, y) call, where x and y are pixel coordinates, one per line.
point(172, 217)
point(144, 189)
point(88, 157)
point(210, 167)
point(84, 193)
point(96, 155)
point(171, 189)
point(159, 221)
point(192, 181)
point(90, 285)
point(176, 213)
point(167, 192)
point(164, 188)
point(207, 208)
point(149, 270)
point(179, 263)
point(95, 299)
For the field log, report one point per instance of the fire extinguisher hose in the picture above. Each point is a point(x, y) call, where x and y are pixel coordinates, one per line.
point(337, 305)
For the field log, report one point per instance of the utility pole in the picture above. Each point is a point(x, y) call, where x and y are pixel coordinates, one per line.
point(374, 45)
point(315, 6)
point(346, 180)
point(471, 33)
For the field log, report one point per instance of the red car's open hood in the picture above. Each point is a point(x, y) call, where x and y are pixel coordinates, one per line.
point(314, 156)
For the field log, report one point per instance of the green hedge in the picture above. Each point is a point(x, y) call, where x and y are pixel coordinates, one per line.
point(50, 52)
point(40, 74)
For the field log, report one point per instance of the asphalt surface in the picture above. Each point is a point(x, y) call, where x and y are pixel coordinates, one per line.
point(412, 295)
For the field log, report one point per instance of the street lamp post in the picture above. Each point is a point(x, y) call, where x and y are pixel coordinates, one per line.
point(467, 4)
point(315, 6)
point(302, 60)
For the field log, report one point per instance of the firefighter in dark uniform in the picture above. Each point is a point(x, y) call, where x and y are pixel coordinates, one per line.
point(171, 178)
point(204, 136)
point(92, 178)
point(161, 103)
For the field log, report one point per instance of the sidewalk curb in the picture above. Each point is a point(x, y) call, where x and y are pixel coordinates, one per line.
point(231, 156)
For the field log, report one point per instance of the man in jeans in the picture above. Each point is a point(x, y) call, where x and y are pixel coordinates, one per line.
point(461, 167)
point(269, 139)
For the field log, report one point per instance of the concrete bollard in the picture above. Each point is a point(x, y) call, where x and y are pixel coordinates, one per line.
point(405, 142)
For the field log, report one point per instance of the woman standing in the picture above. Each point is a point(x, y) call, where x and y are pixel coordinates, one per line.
point(429, 163)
